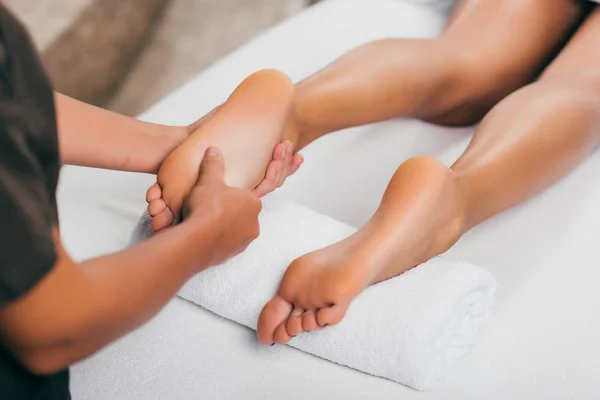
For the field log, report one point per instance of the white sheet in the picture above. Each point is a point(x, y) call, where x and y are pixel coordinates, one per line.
point(541, 342)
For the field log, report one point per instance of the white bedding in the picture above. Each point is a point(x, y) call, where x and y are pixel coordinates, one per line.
point(541, 342)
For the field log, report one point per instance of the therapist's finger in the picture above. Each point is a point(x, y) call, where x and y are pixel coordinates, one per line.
point(269, 183)
point(296, 163)
point(293, 161)
point(212, 168)
point(288, 155)
point(274, 176)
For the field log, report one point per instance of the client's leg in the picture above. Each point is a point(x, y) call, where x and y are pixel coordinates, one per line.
point(452, 80)
point(488, 50)
point(246, 128)
point(527, 142)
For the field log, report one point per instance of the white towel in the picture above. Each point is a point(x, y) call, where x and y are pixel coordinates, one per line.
point(445, 5)
point(411, 329)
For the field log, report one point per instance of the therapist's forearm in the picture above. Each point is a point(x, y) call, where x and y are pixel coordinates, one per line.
point(94, 137)
point(78, 309)
point(375, 82)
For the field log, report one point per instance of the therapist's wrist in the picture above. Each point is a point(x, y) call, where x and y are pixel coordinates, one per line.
point(158, 147)
point(199, 233)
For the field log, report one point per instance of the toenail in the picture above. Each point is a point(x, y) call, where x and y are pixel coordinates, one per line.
point(283, 152)
point(272, 344)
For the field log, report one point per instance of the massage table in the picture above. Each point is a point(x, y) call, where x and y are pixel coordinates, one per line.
point(541, 341)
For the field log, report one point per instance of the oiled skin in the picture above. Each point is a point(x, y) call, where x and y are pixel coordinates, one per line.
point(483, 67)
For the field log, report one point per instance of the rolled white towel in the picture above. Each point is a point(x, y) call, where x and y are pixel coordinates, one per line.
point(412, 329)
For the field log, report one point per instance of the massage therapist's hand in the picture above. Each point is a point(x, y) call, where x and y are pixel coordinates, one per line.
point(283, 164)
point(233, 212)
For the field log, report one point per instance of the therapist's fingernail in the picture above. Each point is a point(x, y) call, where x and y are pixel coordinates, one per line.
point(212, 151)
point(283, 152)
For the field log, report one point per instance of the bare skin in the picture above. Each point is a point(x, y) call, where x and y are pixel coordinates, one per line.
point(246, 127)
point(104, 298)
point(534, 134)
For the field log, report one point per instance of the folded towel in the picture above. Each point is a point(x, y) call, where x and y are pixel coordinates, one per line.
point(411, 329)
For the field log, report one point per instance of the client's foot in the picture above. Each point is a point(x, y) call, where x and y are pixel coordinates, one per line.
point(246, 128)
point(420, 216)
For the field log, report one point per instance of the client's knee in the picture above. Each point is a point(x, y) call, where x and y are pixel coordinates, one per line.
point(474, 86)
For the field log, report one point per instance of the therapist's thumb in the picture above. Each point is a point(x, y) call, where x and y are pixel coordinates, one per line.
point(212, 168)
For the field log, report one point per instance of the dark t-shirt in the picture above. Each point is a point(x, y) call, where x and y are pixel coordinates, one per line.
point(29, 167)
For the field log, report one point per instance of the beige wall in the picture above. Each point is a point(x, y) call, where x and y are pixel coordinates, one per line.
point(192, 35)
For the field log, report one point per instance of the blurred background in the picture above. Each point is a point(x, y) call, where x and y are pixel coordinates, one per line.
point(125, 55)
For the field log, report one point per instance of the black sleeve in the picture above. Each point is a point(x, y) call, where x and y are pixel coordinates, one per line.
point(26, 213)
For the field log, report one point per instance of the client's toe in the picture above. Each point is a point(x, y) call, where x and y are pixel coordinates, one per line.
point(273, 314)
point(156, 206)
point(162, 220)
point(332, 315)
point(309, 321)
point(153, 193)
point(294, 322)
point(281, 335)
